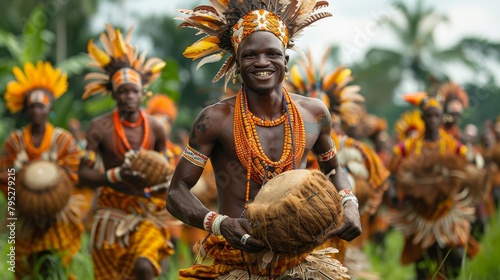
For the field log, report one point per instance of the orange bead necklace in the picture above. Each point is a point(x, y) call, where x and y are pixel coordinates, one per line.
point(123, 144)
point(268, 123)
point(248, 147)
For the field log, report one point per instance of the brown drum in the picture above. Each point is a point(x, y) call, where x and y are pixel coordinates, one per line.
point(295, 210)
point(43, 190)
point(152, 164)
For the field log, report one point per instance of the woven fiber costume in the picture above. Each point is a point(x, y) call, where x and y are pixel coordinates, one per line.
point(48, 206)
point(434, 186)
point(127, 227)
point(226, 24)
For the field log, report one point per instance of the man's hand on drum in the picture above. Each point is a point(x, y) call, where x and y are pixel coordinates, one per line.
point(132, 179)
point(351, 228)
point(237, 234)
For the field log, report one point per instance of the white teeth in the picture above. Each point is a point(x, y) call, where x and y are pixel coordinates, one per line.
point(262, 74)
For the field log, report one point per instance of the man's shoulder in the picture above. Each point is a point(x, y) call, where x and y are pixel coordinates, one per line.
point(221, 108)
point(105, 118)
point(307, 101)
point(311, 105)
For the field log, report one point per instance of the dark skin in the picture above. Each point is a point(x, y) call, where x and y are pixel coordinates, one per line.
point(100, 139)
point(453, 114)
point(38, 115)
point(432, 120)
point(262, 63)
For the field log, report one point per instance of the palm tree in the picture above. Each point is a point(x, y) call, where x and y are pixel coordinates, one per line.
point(413, 64)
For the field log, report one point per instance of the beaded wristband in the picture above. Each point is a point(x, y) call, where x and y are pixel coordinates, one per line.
point(113, 175)
point(209, 220)
point(216, 224)
point(348, 195)
point(327, 155)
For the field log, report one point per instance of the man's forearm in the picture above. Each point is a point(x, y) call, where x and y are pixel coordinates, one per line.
point(183, 205)
point(340, 180)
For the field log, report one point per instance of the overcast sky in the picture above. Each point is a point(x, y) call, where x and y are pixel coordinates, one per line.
point(353, 25)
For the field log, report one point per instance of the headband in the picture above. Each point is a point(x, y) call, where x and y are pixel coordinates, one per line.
point(259, 20)
point(38, 96)
point(126, 76)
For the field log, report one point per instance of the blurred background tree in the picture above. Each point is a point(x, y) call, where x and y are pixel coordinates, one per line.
point(415, 63)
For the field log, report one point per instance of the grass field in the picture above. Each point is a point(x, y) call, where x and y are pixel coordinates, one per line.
point(384, 259)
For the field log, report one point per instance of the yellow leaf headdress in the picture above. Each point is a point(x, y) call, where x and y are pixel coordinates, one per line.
point(119, 63)
point(40, 76)
point(410, 124)
point(226, 22)
point(342, 99)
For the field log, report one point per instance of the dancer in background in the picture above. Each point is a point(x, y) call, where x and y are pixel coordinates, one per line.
point(434, 211)
point(45, 158)
point(129, 236)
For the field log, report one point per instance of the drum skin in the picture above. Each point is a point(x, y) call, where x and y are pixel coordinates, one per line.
point(43, 190)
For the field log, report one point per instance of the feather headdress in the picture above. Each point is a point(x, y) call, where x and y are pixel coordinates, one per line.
point(450, 92)
point(342, 99)
point(226, 22)
point(423, 100)
point(118, 63)
point(42, 76)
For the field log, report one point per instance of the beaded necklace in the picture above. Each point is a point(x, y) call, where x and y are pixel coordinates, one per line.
point(136, 124)
point(36, 152)
point(249, 150)
point(124, 145)
point(268, 123)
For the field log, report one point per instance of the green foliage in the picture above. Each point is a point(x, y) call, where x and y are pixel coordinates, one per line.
point(168, 82)
point(385, 258)
point(81, 265)
point(74, 65)
point(36, 39)
point(485, 266)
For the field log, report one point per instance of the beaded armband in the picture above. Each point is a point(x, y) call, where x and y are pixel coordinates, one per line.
point(194, 156)
point(89, 157)
point(113, 175)
point(327, 155)
point(348, 195)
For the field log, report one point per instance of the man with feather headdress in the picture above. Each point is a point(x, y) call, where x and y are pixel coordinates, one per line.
point(129, 236)
point(261, 132)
